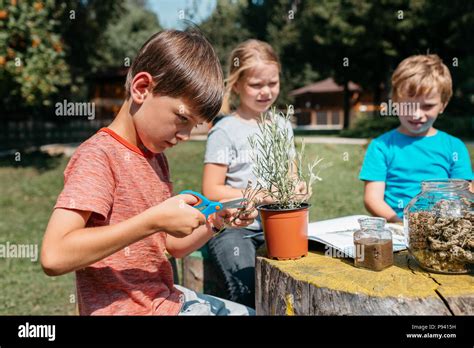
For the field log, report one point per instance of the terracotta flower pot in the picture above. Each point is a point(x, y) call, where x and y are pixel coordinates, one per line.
point(286, 231)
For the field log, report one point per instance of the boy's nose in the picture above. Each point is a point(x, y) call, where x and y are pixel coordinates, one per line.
point(183, 136)
point(418, 113)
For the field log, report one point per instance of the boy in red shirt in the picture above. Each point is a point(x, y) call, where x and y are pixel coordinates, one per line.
point(115, 217)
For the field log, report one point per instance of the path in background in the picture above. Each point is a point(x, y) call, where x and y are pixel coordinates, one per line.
point(311, 140)
point(68, 149)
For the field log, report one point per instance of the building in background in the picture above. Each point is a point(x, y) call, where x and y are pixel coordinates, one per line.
point(320, 105)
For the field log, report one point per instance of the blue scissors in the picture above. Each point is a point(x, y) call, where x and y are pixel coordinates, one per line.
point(208, 207)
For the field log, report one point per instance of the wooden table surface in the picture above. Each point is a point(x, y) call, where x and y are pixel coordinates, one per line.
point(322, 285)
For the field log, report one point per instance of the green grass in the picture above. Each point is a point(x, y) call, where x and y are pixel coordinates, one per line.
point(28, 191)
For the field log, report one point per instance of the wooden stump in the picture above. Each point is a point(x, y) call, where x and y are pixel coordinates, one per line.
point(322, 285)
point(201, 275)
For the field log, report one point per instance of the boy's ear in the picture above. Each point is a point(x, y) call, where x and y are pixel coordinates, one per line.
point(142, 84)
point(443, 107)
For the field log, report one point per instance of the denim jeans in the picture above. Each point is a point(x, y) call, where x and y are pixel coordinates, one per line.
point(235, 259)
point(201, 304)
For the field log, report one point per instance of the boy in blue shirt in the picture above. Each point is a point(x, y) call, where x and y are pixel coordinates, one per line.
point(396, 162)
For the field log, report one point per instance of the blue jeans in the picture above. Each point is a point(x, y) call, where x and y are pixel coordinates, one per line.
point(201, 304)
point(235, 259)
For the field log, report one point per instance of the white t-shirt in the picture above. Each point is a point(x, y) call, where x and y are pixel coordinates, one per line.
point(228, 144)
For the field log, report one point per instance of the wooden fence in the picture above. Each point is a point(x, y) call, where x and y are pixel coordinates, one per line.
point(25, 133)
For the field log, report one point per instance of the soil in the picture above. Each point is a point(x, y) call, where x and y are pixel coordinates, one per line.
point(373, 253)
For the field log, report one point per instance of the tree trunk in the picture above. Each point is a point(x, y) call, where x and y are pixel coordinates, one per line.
point(322, 285)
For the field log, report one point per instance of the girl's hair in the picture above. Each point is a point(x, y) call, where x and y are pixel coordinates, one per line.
point(183, 64)
point(419, 75)
point(244, 57)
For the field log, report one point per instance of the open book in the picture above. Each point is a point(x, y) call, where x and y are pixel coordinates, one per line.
point(339, 234)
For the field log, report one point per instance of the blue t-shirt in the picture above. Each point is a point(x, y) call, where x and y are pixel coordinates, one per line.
point(403, 162)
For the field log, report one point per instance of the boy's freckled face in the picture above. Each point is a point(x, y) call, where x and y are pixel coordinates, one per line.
point(418, 114)
point(161, 122)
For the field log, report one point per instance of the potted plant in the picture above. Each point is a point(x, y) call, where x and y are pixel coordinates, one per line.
point(283, 176)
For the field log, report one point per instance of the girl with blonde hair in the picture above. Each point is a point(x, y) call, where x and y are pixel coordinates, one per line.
point(252, 86)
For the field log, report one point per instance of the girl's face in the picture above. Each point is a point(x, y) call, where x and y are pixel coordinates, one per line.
point(259, 87)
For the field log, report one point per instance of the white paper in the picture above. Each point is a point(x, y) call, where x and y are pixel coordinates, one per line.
point(339, 233)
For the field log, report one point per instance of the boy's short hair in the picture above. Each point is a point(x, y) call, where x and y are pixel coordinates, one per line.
point(183, 64)
point(418, 75)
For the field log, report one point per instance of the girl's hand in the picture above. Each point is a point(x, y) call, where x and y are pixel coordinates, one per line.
point(233, 218)
point(263, 198)
point(302, 191)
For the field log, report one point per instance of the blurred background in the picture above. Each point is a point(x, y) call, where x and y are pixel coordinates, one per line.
point(337, 58)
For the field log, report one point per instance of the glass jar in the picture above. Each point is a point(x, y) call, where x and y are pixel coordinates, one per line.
point(438, 225)
point(373, 244)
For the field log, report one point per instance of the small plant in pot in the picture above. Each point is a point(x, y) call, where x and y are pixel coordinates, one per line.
point(284, 177)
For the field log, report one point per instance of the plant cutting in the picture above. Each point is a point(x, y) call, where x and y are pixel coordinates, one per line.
point(283, 177)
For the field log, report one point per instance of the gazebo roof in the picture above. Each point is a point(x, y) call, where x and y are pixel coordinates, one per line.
point(324, 86)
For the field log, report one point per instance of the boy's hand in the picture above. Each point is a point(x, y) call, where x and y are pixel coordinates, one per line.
point(176, 216)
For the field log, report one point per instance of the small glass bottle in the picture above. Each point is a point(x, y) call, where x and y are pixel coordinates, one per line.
point(373, 244)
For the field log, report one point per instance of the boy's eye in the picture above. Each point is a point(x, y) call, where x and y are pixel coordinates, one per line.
point(254, 85)
point(182, 118)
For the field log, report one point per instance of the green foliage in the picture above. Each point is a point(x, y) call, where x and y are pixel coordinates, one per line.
point(233, 22)
point(62, 43)
point(47, 49)
point(368, 126)
point(32, 57)
point(83, 26)
point(125, 36)
point(373, 35)
point(462, 127)
point(224, 28)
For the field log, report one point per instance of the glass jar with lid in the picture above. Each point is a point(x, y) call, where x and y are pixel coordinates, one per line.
point(373, 244)
point(438, 224)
